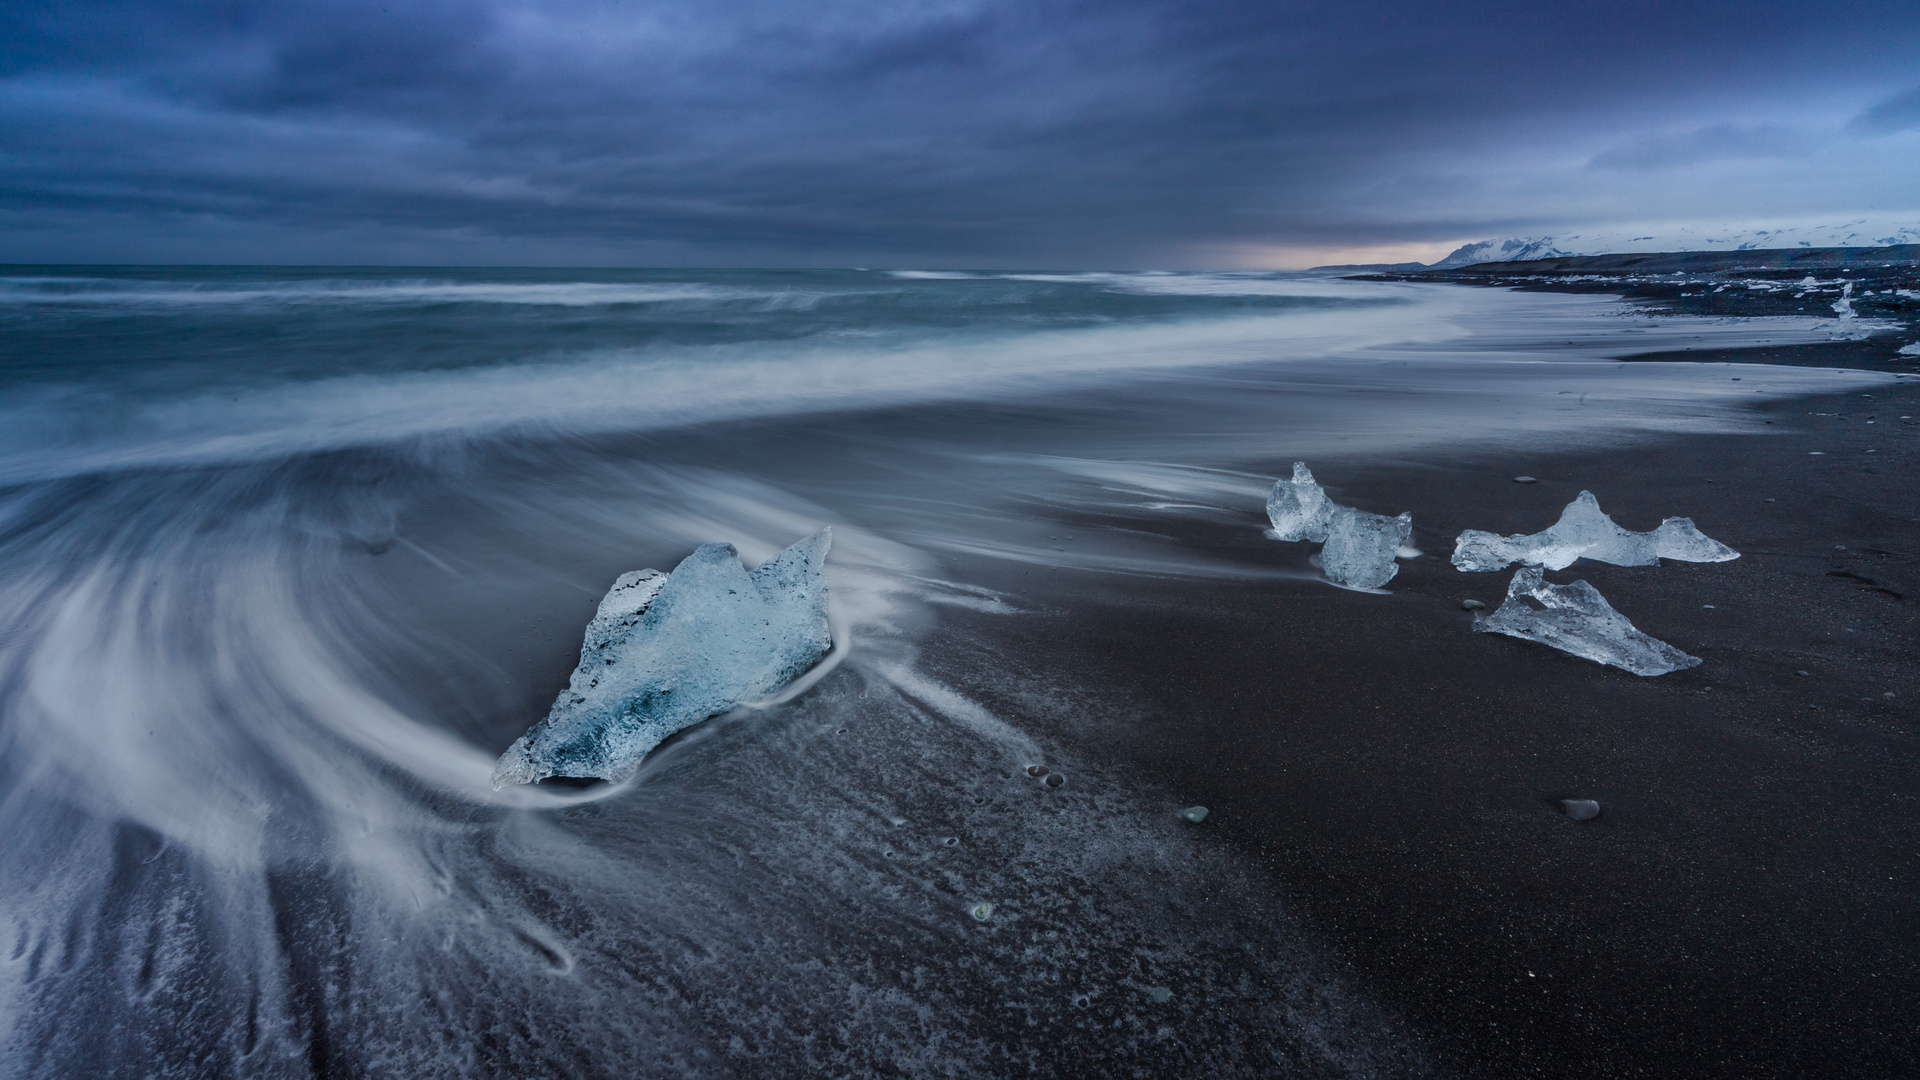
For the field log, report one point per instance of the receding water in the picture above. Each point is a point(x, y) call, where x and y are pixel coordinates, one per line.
point(287, 557)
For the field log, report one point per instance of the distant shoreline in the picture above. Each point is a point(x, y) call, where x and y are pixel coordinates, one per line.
point(1669, 262)
point(1879, 283)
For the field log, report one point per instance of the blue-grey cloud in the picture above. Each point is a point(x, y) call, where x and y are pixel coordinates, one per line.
point(1715, 142)
point(1898, 113)
point(959, 131)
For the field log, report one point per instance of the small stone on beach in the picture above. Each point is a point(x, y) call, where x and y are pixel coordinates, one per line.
point(1525, 480)
point(1160, 994)
point(1195, 814)
point(1055, 780)
point(1580, 809)
point(1036, 770)
point(1804, 674)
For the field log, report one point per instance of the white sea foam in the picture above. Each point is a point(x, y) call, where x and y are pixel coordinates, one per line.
point(237, 837)
point(1451, 344)
point(106, 292)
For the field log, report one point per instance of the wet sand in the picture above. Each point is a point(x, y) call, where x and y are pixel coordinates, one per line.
point(1748, 902)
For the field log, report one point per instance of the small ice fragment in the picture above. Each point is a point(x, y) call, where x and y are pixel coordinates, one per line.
point(1160, 994)
point(1580, 809)
point(1361, 547)
point(1577, 619)
point(665, 652)
point(1525, 480)
point(1195, 814)
point(1584, 532)
point(1471, 605)
point(982, 911)
point(1816, 453)
point(1910, 350)
point(1298, 508)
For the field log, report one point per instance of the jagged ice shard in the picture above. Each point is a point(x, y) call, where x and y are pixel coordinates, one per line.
point(665, 652)
point(1584, 532)
point(1577, 619)
point(1360, 547)
point(1298, 508)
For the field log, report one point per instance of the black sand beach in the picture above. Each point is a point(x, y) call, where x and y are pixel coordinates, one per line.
point(1069, 573)
point(1747, 904)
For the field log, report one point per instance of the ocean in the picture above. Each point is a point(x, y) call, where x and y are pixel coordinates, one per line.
point(288, 556)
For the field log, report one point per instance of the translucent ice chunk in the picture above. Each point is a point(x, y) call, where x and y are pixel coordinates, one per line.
point(1361, 546)
point(1583, 532)
point(1577, 619)
point(1298, 508)
point(665, 652)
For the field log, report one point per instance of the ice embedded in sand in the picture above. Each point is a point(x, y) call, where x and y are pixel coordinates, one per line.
point(665, 652)
point(1584, 532)
point(1298, 508)
point(1577, 619)
point(1360, 547)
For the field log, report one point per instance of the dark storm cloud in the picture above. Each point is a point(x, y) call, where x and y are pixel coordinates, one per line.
point(967, 131)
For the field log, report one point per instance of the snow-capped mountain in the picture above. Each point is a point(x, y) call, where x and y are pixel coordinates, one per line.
point(1858, 233)
point(1509, 250)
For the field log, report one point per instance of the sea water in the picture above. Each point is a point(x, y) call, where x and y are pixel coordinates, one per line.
point(289, 556)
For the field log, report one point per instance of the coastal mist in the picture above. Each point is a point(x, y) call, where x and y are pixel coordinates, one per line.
point(289, 557)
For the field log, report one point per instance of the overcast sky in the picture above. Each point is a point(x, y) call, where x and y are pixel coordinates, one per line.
point(1058, 133)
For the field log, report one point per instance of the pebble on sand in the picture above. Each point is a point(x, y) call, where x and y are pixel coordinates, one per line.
point(1525, 480)
point(1160, 994)
point(1195, 814)
point(1580, 809)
